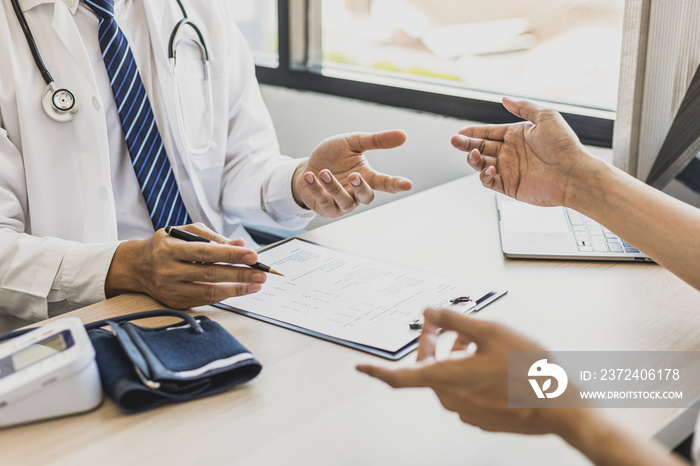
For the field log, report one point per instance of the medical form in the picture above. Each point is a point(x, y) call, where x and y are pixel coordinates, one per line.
point(347, 297)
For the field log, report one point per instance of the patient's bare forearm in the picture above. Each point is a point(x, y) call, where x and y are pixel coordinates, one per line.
point(665, 228)
point(606, 444)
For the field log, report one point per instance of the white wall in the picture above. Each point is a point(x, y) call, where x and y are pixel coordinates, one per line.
point(303, 119)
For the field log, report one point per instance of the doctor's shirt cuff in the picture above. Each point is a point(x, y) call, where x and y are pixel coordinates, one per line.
point(278, 198)
point(83, 272)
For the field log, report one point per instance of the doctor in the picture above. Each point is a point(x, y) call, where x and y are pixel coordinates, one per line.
point(132, 117)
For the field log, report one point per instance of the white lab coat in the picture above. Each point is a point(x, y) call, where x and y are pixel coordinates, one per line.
point(57, 210)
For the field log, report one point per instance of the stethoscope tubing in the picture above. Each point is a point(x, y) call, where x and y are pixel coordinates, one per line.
point(172, 47)
point(62, 110)
point(32, 43)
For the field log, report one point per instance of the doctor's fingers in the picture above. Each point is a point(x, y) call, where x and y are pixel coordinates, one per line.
point(389, 184)
point(206, 232)
point(362, 142)
point(187, 295)
point(207, 252)
point(324, 203)
point(363, 192)
point(214, 273)
point(466, 144)
point(342, 198)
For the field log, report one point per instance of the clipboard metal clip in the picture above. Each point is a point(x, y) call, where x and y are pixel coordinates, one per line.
point(461, 299)
point(417, 324)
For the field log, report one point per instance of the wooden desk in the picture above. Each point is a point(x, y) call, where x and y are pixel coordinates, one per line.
point(310, 407)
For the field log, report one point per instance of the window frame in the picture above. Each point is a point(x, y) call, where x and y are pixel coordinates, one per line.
point(299, 67)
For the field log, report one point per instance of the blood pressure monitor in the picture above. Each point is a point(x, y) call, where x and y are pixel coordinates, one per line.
point(48, 372)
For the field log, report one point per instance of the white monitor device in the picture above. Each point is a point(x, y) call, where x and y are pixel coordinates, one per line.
point(48, 372)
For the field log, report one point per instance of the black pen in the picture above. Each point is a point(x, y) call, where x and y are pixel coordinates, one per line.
point(187, 236)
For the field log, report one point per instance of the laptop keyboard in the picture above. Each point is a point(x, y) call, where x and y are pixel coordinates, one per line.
point(591, 236)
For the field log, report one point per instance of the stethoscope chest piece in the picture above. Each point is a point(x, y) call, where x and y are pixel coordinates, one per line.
point(60, 104)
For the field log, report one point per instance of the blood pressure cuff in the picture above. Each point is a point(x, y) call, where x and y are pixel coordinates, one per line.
point(143, 367)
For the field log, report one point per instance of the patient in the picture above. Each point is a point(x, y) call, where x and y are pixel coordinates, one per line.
point(541, 161)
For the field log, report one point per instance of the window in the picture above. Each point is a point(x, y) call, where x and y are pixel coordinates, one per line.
point(450, 57)
point(552, 50)
point(257, 19)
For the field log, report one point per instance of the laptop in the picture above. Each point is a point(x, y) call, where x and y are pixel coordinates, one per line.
point(532, 232)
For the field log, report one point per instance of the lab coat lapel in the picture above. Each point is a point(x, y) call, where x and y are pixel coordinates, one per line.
point(103, 221)
point(27, 5)
point(162, 17)
point(67, 31)
point(94, 168)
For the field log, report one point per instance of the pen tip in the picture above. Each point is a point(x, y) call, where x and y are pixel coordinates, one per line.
point(276, 272)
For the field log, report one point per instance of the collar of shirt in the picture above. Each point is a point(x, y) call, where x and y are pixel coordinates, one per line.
point(72, 5)
point(27, 5)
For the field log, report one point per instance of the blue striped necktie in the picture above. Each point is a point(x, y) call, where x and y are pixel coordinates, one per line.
point(148, 156)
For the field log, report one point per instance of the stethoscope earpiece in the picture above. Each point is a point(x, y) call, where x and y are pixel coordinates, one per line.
point(60, 104)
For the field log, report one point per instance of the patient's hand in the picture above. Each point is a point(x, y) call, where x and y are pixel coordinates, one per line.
point(536, 161)
point(474, 385)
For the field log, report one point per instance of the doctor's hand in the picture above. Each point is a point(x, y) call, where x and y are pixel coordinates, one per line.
point(539, 161)
point(184, 274)
point(337, 177)
point(473, 384)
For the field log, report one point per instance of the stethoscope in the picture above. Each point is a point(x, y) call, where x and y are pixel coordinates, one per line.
point(61, 104)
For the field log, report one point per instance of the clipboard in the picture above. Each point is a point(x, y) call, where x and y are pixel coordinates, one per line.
point(238, 305)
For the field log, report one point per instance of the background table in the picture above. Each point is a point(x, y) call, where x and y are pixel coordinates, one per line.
point(309, 406)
